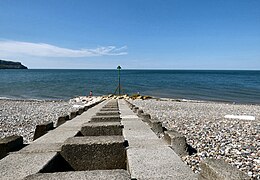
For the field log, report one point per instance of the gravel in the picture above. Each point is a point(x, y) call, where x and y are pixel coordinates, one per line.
point(212, 135)
point(20, 117)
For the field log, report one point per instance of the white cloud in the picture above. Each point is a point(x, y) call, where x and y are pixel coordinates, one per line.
point(14, 48)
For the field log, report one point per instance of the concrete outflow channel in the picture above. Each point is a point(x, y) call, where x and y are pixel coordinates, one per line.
point(108, 141)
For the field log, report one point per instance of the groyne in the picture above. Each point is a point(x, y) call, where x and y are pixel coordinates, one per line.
point(111, 139)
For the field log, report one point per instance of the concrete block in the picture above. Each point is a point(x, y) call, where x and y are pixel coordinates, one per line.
point(109, 109)
point(132, 107)
point(177, 142)
point(111, 106)
point(18, 166)
point(106, 119)
point(215, 169)
point(42, 129)
point(108, 113)
point(102, 129)
point(156, 126)
point(86, 108)
point(80, 111)
point(10, 143)
point(73, 114)
point(118, 174)
point(95, 152)
point(41, 148)
point(59, 135)
point(157, 163)
point(140, 111)
point(145, 117)
point(135, 109)
point(62, 119)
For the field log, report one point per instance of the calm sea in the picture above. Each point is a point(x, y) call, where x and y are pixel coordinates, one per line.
point(231, 86)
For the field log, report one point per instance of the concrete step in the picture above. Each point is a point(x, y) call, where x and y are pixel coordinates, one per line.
point(109, 109)
point(102, 129)
point(106, 119)
point(95, 152)
point(107, 113)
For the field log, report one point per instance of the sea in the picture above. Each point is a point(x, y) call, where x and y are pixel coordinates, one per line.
point(232, 86)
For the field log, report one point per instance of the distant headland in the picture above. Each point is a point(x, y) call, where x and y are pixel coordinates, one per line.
point(11, 65)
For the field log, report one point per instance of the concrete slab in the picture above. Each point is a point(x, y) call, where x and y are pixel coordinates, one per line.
point(145, 143)
point(109, 109)
point(101, 129)
point(107, 113)
point(41, 148)
point(106, 119)
point(95, 152)
point(119, 174)
point(18, 166)
point(157, 163)
point(57, 136)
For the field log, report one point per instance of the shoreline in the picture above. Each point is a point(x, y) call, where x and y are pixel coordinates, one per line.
point(153, 97)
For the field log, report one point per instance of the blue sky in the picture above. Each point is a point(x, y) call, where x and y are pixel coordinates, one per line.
point(137, 34)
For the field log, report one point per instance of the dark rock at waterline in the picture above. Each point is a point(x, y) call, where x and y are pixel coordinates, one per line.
point(11, 65)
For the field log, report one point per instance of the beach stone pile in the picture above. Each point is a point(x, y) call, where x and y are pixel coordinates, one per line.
point(20, 117)
point(212, 135)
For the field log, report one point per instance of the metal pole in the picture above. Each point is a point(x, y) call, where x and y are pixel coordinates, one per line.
point(119, 85)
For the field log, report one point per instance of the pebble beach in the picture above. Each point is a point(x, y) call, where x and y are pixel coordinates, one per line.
point(203, 124)
point(20, 117)
point(210, 133)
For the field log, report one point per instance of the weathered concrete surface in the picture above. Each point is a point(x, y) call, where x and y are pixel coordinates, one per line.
point(95, 152)
point(80, 111)
point(119, 174)
point(102, 129)
point(42, 129)
point(156, 126)
point(109, 109)
point(41, 148)
point(177, 142)
point(148, 156)
point(145, 117)
point(140, 111)
point(57, 136)
point(10, 143)
point(62, 119)
point(215, 169)
point(18, 166)
point(157, 163)
point(106, 118)
point(108, 113)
